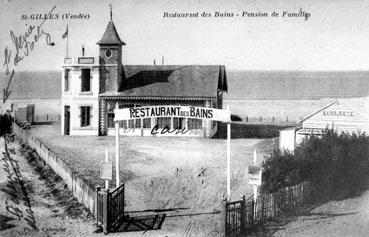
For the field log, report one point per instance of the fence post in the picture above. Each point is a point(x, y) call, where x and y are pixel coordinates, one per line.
point(262, 209)
point(98, 188)
point(123, 198)
point(223, 218)
point(253, 214)
point(243, 215)
point(106, 211)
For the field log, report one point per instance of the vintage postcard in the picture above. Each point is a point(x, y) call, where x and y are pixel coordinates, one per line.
point(184, 118)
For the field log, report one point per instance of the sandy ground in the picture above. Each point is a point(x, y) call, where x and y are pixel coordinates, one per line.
point(51, 218)
point(348, 217)
point(163, 179)
point(166, 173)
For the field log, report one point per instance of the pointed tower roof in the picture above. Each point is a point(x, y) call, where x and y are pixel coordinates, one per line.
point(111, 36)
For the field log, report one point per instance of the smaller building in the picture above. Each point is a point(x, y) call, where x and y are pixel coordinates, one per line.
point(80, 91)
point(343, 115)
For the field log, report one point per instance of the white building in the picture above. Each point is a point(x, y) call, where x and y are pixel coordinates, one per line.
point(343, 115)
point(80, 91)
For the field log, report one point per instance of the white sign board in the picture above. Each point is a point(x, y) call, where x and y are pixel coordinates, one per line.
point(254, 175)
point(172, 111)
point(106, 170)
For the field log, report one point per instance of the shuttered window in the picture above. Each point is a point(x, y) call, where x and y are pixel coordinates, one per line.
point(163, 121)
point(178, 123)
point(86, 79)
point(147, 123)
point(111, 123)
point(85, 116)
point(66, 79)
point(194, 123)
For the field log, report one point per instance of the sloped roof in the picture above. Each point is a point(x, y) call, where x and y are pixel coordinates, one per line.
point(172, 81)
point(360, 105)
point(111, 36)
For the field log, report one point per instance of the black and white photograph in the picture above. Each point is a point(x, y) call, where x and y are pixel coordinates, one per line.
point(184, 118)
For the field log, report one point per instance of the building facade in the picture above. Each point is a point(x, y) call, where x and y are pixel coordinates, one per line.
point(93, 87)
point(344, 115)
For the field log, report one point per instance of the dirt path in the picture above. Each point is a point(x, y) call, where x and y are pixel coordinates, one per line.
point(50, 215)
point(348, 217)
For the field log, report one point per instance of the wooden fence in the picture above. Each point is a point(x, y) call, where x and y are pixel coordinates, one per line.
point(269, 120)
point(244, 215)
point(109, 208)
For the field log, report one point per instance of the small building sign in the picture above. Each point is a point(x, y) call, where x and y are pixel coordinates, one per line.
point(85, 60)
point(172, 111)
point(338, 113)
point(254, 175)
point(106, 170)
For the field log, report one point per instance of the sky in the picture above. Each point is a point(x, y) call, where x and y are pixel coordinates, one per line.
point(334, 37)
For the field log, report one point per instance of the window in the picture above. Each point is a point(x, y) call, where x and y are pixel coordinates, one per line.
point(123, 124)
point(85, 116)
point(111, 123)
point(108, 53)
point(194, 123)
point(163, 121)
point(138, 123)
point(147, 123)
point(86, 79)
point(178, 123)
point(131, 123)
point(66, 79)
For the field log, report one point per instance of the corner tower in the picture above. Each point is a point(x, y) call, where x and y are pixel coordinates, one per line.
point(110, 59)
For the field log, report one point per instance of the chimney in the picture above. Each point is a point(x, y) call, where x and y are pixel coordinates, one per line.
point(162, 59)
point(83, 50)
point(154, 63)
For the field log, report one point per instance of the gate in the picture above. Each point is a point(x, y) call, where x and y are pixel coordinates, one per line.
point(235, 213)
point(111, 216)
point(109, 208)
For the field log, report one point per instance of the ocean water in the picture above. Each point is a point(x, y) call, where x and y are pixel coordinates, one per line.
point(274, 111)
point(260, 95)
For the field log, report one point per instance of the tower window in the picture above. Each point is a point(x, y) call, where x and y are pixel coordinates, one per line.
point(86, 79)
point(108, 53)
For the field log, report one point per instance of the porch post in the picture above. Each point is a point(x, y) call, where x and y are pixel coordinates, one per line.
point(228, 159)
point(117, 182)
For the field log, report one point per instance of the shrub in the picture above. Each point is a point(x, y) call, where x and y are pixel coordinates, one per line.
point(339, 161)
point(5, 124)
